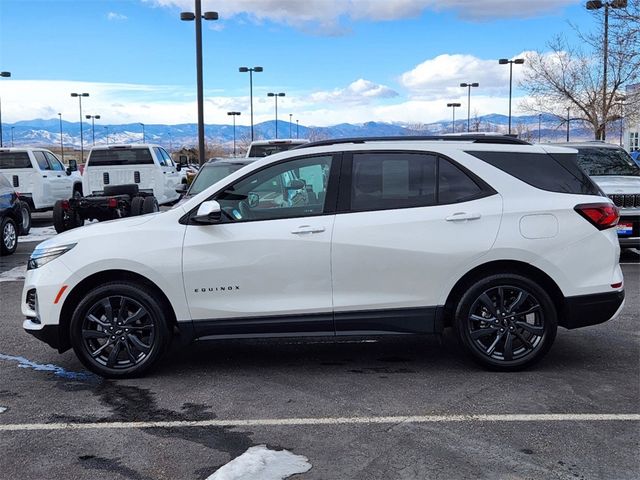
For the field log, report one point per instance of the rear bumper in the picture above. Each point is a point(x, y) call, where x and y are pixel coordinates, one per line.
point(584, 310)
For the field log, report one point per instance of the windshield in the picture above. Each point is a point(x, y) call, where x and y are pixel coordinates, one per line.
point(128, 156)
point(14, 160)
point(270, 149)
point(606, 161)
point(210, 174)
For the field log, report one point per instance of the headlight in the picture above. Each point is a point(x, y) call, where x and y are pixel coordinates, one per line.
point(42, 256)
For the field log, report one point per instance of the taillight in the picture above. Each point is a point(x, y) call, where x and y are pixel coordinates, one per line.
point(600, 215)
point(112, 203)
point(65, 205)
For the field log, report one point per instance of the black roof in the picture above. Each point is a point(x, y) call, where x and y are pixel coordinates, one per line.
point(473, 138)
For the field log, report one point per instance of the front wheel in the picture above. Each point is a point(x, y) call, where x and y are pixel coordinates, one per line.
point(8, 236)
point(119, 330)
point(506, 321)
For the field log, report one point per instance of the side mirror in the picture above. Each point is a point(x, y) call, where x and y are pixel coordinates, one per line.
point(178, 167)
point(183, 160)
point(182, 188)
point(209, 213)
point(73, 166)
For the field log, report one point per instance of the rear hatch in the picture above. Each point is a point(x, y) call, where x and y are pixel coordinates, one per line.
point(119, 166)
point(17, 169)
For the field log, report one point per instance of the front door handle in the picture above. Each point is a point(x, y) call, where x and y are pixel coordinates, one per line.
point(462, 216)
point(303, 229)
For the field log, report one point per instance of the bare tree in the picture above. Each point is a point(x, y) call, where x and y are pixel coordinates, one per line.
point(572, 77)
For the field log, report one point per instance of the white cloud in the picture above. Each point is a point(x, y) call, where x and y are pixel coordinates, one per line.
point(113, 16)
point(441, 76)
point(326, 14)
point(359, 92)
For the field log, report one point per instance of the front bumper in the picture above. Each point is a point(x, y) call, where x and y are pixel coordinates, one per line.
point(49, 334)
point(584, 310)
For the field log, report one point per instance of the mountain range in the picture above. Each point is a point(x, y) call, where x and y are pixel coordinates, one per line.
point(46, 132)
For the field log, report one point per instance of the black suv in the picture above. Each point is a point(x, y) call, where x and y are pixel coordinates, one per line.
point(10, 217)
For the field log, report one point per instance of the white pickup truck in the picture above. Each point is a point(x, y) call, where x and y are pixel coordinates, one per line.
point(39, 177)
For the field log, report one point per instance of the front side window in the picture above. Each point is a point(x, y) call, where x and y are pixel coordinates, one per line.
point(54, 162)
point(291, 189)
point(167, 158)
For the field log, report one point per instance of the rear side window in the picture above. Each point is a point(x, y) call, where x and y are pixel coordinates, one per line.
point(552, 172)
point(14, 160)
point(128, 156)
point(42, 161)
point(454, 185)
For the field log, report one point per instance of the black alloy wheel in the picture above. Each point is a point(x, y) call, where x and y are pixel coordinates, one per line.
point(506, 322)
point(119, 330)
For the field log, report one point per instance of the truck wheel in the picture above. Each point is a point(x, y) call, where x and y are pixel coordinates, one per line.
point(25, 210)
point(149, 205)
point(8, 236)
point(136, 206)
point(113, 190)
point(64, 220)
point(75, 219)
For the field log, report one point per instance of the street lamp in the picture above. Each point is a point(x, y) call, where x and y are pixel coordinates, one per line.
point(2, 74)
point(539, 127)
point(275, 96)
point(596, 5)
point(234, 115)
point(568, 122)
point(80, 95)
point(61, 144)
point(107, 137)
point(469, 85)
point(93, 126)
point(453, 107)
point(505, 61)
point(297, 128)
point(170, 141)
point(250, 70)
point(290, 124)
point(143, 136)
point(198, 16)
point(12, 129)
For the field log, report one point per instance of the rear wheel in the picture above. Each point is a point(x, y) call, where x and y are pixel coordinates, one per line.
point(65, 218)
point(136, 206)
point(506, 321)
point(149, 205)
point(25, 211)
point(8, 236)
point(119, 330)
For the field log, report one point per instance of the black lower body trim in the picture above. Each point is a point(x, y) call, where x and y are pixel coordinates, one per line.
point(49, 334)
point(585, 310)
point(399, 320)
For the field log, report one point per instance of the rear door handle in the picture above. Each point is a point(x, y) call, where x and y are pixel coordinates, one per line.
point(462, 216)
point(303, 229)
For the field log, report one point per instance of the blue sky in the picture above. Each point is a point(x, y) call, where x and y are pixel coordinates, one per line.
point(336, 60)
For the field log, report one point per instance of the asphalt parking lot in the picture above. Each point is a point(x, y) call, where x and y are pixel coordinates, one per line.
point(393, 408)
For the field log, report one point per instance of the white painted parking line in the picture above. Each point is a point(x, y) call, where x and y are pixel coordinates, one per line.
point(498, 418)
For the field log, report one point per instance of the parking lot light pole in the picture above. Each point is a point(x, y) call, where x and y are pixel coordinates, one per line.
point(539, 127)
point(80, 95)
point(250, 70)
point(107, 137)
point(297, 128)
point(469, 85)
point(290, 124)
point(275, 96)
point(61, 144)
point(234, 115)
point(198, 16)
point(2, 74)
point(453, 107)
point(620, 103)
point(93, 126)
point(144, 138)
point(505, 61)
point(568, 122)
point(12, 129)
point(597, 5)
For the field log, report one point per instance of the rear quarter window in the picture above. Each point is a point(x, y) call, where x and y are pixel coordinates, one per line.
point(124, 157)
point(558, 173)
point(14, 160)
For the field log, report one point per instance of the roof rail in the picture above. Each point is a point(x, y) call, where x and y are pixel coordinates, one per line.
point(472, 138)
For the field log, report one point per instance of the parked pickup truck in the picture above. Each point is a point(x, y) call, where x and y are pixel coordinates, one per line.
point(120, 181)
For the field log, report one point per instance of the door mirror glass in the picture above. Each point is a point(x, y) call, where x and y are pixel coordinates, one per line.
point(178, 167)
point(208, 213)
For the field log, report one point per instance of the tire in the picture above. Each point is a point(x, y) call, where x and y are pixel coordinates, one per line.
point(26, 218)
point(136, 206)
point(119, 344)
point(60, 217)
point(506, 322)
point(149, 205)
point(8, 236)
point(77, 192)
point(129, 189)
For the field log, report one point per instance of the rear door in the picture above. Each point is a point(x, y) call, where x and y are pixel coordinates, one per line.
point(410, 222)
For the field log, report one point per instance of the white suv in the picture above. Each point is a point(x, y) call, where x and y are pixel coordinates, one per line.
point(148, 166)
point(501, 240)
point(39, 176)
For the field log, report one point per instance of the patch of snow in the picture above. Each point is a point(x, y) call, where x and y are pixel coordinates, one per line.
point(260, 463)
point(38, 234)
point(16, 274)
point(39, 367)
point(3, 409)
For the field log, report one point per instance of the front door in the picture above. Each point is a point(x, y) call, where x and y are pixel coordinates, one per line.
point(266, 268)
point(61, 183)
